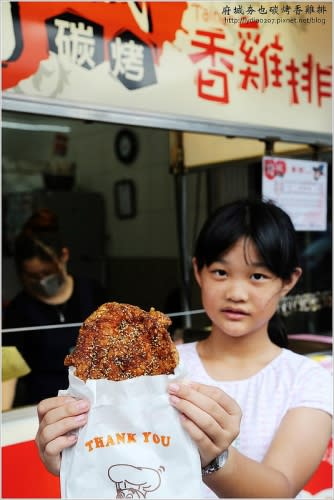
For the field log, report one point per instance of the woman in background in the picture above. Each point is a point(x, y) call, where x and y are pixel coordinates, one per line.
point(49, 296)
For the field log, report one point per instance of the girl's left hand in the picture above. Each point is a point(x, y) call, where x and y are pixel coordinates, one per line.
point(211, 417)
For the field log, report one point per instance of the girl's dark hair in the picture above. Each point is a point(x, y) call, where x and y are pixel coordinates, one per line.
point(40, 237)
point(268, 227)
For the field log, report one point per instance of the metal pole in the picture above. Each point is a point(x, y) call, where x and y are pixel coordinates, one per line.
point(182, 228)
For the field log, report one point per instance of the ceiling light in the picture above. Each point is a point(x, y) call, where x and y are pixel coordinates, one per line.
point(36, 127)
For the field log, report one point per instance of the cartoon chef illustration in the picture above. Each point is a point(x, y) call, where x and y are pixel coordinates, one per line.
point(134, 482)
point(318, 171)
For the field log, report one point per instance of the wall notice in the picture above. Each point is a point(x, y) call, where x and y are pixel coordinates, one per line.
point(300, 188)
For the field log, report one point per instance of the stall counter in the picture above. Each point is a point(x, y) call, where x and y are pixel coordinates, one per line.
point(20, 454)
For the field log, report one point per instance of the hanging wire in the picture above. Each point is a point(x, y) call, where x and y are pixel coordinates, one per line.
point(305, 302)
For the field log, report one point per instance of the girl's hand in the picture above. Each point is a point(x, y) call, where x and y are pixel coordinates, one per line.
point(58, 418)
point(209, 415)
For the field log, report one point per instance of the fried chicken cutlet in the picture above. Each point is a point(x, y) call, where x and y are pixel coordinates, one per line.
point(122, 341)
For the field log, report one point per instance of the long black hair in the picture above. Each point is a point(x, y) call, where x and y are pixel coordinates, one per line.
point(268, 227)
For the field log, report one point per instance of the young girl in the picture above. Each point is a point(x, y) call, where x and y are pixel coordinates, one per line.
point(259, 413)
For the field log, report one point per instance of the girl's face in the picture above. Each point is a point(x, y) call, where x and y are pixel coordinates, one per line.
point(239, 293)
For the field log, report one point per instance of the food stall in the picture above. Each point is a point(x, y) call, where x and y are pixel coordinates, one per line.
point(208, 71)
point(208, 68)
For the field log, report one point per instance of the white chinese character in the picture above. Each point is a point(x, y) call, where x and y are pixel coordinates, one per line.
point(77, 44)
point(128, 58)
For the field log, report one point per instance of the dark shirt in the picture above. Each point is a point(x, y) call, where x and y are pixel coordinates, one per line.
point(45, 350)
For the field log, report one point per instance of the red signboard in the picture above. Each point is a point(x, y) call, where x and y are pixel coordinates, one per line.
point(211, 60)
point(86, 30)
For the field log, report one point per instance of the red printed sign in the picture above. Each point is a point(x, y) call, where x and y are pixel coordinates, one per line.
point(126, 35)
point(274, 167)
point(212, 60)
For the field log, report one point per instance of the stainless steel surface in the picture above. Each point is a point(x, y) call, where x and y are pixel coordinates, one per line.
point(167, 121)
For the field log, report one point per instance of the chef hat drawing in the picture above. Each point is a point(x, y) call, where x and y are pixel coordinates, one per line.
point(319, 169)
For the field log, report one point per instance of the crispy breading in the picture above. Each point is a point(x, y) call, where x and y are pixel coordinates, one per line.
point(122, 341)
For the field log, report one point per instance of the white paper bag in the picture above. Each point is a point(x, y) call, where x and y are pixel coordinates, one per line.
point(133, 444)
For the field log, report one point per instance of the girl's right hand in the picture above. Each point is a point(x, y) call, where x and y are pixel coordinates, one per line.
point(59, 418)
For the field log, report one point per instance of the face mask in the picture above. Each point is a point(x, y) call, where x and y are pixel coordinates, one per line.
point(49, 286)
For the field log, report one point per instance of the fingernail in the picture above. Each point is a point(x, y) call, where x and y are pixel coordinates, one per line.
point(72, 437)
point(81, 405)
point(82, 417)
point(72, 433)
point(174, 400)
point(173, 388)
